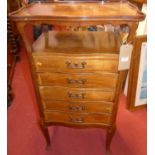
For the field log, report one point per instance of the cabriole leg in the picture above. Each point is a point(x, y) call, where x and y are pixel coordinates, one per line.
point(110, 134)
point(45, 132)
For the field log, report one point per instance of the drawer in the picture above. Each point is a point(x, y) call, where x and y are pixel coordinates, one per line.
point(108, 80)
point(62, 117)
point(76, 94)
point(79, 107)
point(78, 64)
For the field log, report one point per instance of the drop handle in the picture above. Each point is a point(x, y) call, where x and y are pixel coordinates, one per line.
point(39, 63)
point(81, 65)
point(77, 120)
point(74, 81)
point(76, 108)
point(76, 95)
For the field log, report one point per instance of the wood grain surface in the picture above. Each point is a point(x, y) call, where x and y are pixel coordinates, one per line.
point(79, 106)
point(85, 80)
point(79, 11)
point(76, 94)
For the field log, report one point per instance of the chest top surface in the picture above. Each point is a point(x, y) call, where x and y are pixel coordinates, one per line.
point(78, 11)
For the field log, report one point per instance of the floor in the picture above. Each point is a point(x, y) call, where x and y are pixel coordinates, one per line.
point(25, 137)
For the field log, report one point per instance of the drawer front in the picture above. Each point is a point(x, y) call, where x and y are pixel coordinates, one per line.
point(78, 80)
point(79, 107)
point(75, 64)
point(62, 117)
point(76, 94)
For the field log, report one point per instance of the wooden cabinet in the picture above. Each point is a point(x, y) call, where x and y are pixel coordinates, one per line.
point(75, 73)
point(11, 61)
point(12, 49)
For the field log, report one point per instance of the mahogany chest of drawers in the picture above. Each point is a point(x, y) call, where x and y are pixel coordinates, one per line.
point(75, 72)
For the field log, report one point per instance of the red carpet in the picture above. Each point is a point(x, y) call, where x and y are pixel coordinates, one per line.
point(25, 137)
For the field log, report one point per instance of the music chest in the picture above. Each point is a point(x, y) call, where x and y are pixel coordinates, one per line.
point(74, 61)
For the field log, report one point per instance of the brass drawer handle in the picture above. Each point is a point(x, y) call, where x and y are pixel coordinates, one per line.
point(77, 120)
point(77, 108)
point(73, 81)
point(78, 96)
point(39, 64)
point(75, 65)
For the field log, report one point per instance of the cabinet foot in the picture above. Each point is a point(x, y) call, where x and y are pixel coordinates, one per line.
point(45, 132)
point(109, 136)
